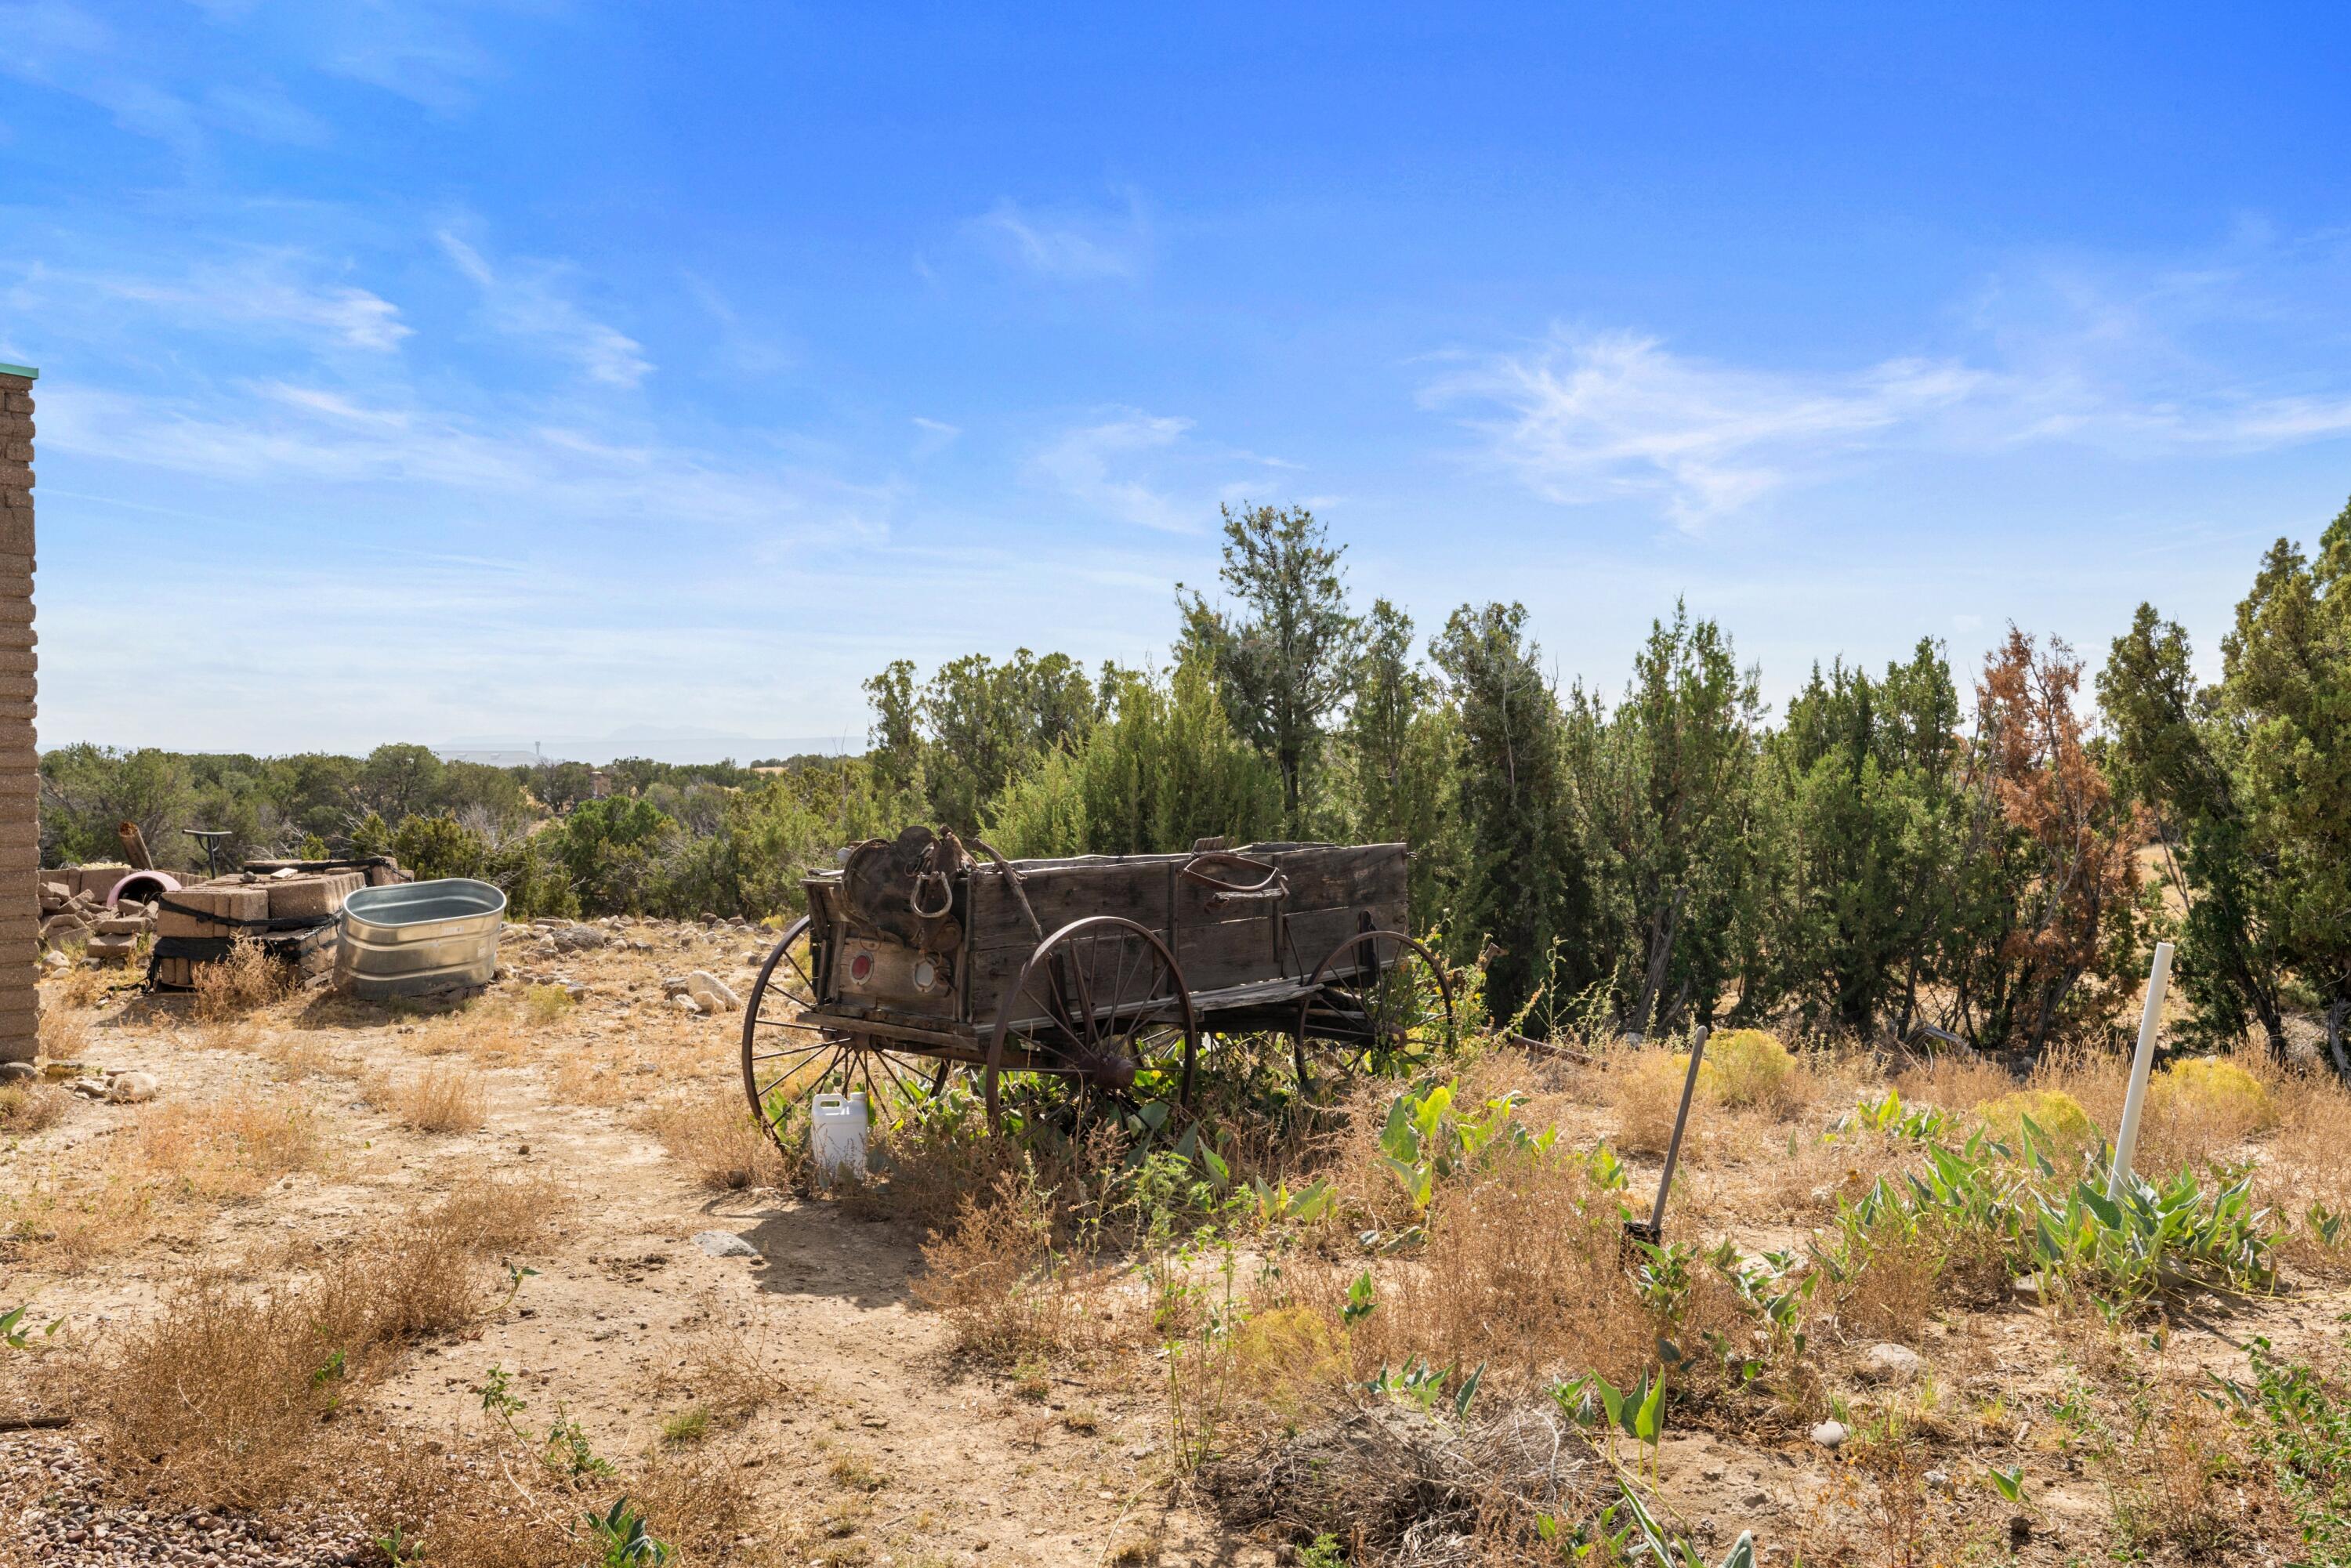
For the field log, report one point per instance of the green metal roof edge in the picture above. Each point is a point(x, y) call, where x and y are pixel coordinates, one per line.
point(28, 371)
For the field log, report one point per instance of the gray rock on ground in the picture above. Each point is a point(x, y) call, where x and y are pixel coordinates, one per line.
point(715, 995)
point(724, 1244)
point(133, 1088)
point(1893, 1364)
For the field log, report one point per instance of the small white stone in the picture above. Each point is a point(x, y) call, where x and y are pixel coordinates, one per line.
point(1892, 1364)
point(1830, 1434)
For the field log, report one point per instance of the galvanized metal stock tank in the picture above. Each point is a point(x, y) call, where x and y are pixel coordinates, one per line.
point(414, 937)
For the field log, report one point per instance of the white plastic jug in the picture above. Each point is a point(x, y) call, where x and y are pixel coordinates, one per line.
point(837, 1136)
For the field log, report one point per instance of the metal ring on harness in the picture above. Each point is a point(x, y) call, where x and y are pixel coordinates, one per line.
point(946, 895)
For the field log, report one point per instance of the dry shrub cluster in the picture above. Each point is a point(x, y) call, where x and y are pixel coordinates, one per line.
point(714, 1135)
point(1522, 1272)
point(232, 1396)
point(1005, 1287)
point(245, 981)
point(27, 1108)
point(439, 1097)
point(1395, 1486)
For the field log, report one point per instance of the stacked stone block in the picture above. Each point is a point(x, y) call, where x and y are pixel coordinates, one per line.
point(20, 834)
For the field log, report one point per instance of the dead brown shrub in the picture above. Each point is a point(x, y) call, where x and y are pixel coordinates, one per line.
point(1392, 1484)
point(28, 1108)
point(714, 1136)
point(229, 1394)
point(221, 1395)
point(1005, 1288)
point(1522, 1272)
point(440, 1097)
point(245, 981)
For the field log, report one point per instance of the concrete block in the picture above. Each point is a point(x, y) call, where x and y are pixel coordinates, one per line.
point(313, 897)
point(97, 880)
point(208, 911)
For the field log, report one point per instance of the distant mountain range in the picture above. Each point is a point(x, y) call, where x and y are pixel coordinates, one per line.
point(660, 745)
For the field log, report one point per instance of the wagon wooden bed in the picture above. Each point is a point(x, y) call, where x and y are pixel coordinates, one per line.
point(1055, 981)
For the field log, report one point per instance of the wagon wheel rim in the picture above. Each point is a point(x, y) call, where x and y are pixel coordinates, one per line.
point(786, 1058)
point(1101, 1005)
point(1366, 996)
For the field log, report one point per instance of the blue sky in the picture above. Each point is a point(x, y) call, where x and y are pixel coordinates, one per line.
point(544, 372)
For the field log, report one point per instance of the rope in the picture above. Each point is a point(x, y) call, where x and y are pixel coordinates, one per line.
point(1013, 877)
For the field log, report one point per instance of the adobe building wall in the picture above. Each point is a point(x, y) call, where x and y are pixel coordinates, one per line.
point(20, 835)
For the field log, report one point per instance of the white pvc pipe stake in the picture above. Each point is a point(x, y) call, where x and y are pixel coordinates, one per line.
point(2142, 1063)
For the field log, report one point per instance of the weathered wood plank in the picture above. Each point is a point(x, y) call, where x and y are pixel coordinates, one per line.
point(1315, 935)
point(1344, 876)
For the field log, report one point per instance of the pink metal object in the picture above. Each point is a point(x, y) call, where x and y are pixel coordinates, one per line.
point(143, 885)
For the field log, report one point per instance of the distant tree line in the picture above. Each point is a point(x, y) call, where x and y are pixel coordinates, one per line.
point(1897, 850)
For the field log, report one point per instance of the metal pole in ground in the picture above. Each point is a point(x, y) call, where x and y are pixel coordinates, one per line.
point(2150, 1020)
point(1654, 1231)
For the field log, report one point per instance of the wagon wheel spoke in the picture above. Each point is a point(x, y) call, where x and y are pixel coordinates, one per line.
point(1380, 997)
point(787, 1057)
point(1098, 1012)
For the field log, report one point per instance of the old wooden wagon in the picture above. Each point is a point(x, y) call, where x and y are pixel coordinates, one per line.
point(1062, 982)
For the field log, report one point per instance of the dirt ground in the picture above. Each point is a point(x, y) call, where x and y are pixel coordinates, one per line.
point(945, 1464)
point(580, 1085)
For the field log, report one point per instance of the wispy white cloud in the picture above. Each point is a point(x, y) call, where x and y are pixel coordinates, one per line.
point(2056, 356)
point(936, 436)
point(1584, 417)
point(1086, 463)
point(285, 292)
point(538, 470)
point(421, 51)
point(1068, 245)
point(526, 300)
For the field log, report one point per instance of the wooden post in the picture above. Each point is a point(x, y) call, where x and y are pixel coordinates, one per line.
point(2150, 1024)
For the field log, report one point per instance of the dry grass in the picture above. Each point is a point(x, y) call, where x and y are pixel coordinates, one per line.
point(584, 1079)
point(1955, 1083)
point(240, 984)
point(1004, 1288)
point(1522, 1272)
point(1647, 1091)
point(63, 1031)
point(230, 1149)
point(714, 1136)
point(228, 1395)
point(82, 985)
point(440, 1097)
point(2183, 1485)
point(175, 1158)
point(27, 1108)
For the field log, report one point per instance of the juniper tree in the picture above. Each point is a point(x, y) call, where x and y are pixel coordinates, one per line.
point(1283, 660)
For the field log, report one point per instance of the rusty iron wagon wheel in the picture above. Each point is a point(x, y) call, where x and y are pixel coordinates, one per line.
point(1381, 997)
point(1100, 1008)
point(787, 1058)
